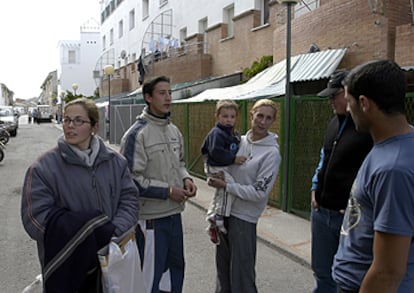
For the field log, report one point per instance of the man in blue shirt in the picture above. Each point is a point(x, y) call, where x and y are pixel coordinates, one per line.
point(376, 250)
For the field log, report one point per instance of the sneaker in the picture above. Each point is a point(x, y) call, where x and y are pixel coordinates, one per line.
point(213, 233)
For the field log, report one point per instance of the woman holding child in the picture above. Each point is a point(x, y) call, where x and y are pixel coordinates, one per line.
point(254, 180)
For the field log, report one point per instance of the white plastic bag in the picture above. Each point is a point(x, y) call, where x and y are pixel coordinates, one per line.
point(121, 265)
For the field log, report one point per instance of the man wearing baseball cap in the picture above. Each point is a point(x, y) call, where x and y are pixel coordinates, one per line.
point(341, 155)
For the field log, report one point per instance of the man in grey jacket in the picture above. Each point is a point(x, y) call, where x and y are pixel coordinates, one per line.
point(154, 149)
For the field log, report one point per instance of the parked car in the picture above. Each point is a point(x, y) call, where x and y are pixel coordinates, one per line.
point(45, 113)
point(10, 119)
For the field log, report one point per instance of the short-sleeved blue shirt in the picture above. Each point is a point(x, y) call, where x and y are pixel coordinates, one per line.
point(382, 199)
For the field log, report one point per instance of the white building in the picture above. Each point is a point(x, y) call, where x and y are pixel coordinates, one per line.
point(134, 28)
point(131, 27)
point(223, 37)
point(2, 99)
point(77, 61)
point(6, 95)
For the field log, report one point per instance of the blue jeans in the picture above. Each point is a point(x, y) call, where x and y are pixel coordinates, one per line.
point(169, 250)
point(326, 228)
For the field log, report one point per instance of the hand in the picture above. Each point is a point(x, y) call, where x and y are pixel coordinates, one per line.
point(240, 160)
point(189, 187)
point(216, 182)
point(314, 203)
point(178, 194)
point(219, 175)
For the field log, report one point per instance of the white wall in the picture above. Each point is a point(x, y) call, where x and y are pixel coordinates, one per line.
point(2, 99)
point(186, 14)
point(88, 50)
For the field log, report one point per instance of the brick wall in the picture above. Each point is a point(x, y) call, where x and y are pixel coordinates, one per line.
point(118, 85)
point(248, 44)
point(404, 52)
point(188, 67)
point(339, 24)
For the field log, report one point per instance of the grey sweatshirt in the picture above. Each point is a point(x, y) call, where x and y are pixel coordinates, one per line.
point(254, 178)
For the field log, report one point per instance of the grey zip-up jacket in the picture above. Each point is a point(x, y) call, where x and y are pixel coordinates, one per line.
point(59, 178)
point(154, 149)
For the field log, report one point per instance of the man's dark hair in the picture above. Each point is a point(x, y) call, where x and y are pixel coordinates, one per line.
point(382, 81)
point(149, 86)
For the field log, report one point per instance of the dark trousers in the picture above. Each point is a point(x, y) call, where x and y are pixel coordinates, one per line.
point(236, 257)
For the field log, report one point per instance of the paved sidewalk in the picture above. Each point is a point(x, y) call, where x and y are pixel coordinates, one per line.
point(283, 231)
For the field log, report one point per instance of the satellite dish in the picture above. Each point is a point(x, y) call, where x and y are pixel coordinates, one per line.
point(123, 54)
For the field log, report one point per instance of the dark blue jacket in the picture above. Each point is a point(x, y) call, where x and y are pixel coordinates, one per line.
point(220, 145)
point(343, 155)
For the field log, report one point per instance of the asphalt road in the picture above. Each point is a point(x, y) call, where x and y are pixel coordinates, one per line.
point(18, 255)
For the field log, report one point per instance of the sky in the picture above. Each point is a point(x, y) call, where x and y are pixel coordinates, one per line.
point(29, 35)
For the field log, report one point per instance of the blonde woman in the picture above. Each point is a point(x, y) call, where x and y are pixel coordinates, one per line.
point(254, 179)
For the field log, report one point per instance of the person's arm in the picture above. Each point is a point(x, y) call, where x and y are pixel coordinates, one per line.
point(314, 203)
point(37, 201)
point(391, 193)
point(183, 173)
point(190, 189)
point(264, 180)
point(127, 209)
point(389, 265)
point(133, 149)
point(318, 168)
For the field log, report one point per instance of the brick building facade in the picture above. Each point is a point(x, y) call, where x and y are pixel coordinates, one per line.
point(367, 34)
point(382, 30)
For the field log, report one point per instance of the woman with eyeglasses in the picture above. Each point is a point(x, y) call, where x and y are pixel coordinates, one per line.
point(75, 198)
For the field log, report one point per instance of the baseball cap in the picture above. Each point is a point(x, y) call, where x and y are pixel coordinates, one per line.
point(334, 83)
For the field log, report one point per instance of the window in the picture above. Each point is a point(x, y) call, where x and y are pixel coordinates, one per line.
point(145, 9)
point(111, 36)
point(183, 36)
point(264, 12)
point(228, 15)
point(72, 57)
point(132, 19)
point(104, 43)
point(120, 29)
point(202, 27)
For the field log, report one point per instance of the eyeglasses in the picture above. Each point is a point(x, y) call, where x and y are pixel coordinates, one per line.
point(76, 121)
